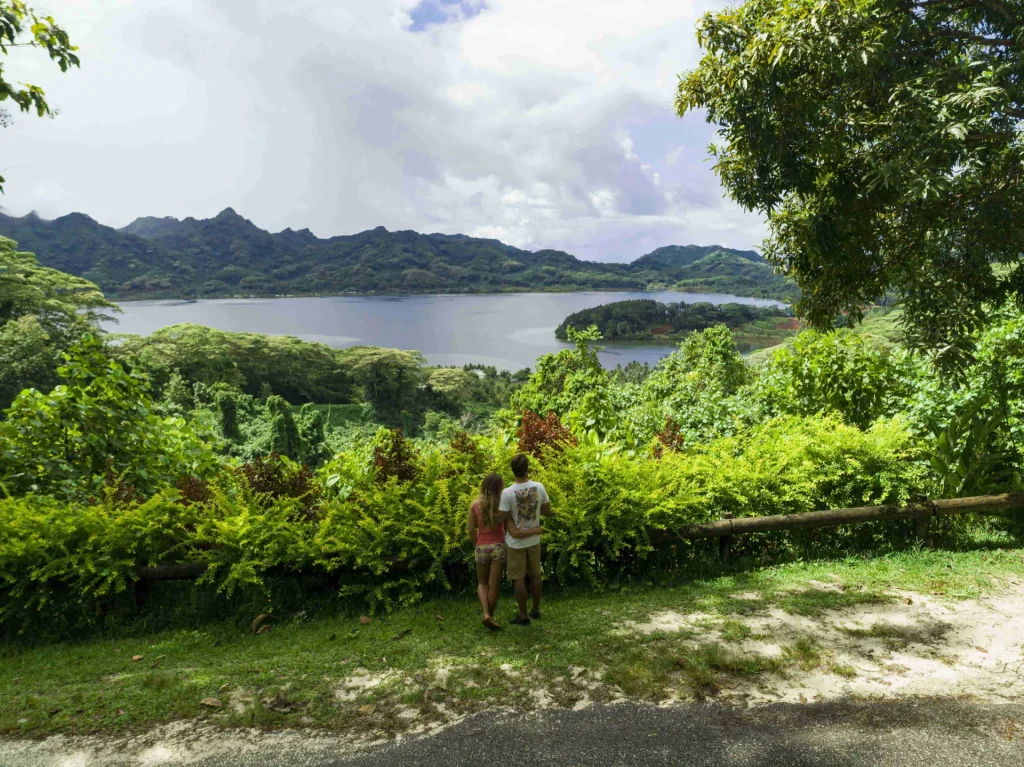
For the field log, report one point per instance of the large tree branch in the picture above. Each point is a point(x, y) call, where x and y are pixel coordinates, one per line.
point(996, 6)
point(960, 36)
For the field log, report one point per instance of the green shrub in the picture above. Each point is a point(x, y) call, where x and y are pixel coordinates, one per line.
point(99, 426)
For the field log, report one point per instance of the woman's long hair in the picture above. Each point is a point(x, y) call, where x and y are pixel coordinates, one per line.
point(490, 497)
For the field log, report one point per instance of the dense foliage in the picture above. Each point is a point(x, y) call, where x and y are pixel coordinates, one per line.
point(297, 370)
point(43, 312)
point(180, 448)
point(228, 255)
point(883, 140)
point(644, 318)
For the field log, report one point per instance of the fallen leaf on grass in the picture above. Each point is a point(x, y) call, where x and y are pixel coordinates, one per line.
point(210, 703)
point(981, 649)
point(439, 617)
point(365, 620)
point(223, 687)
point(367, 710)
point(120, 712)
point(137, 658)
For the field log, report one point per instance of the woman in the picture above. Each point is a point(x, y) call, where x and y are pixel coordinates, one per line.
point(487, 532)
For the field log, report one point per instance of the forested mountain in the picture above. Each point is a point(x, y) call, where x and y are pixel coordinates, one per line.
point(228, 255)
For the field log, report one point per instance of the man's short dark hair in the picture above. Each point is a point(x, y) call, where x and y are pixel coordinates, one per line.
point(520, 465)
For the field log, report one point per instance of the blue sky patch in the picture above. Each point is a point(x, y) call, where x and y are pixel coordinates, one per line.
point(431, 12)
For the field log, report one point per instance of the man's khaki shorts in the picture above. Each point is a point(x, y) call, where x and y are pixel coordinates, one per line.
point(523, 562)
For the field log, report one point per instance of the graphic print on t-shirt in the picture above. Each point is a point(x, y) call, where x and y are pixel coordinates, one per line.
point(527, 504)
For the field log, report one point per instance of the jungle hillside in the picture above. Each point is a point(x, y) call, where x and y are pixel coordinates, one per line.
point(227, 255)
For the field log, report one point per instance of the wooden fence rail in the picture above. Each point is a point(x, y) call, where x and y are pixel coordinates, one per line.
point(982, 504)
point(726, 529)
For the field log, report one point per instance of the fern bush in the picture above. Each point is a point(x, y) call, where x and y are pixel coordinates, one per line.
point(384, 537)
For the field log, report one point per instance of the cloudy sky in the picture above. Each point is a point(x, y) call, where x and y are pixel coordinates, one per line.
point(543, 123)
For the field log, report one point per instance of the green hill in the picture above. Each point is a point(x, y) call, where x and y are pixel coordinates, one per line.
point(643, 319)
point(228, 255)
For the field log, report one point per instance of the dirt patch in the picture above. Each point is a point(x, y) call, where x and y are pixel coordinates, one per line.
point(915, 646)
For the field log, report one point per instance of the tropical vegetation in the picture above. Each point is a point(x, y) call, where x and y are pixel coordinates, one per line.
point(883, 142)
point(640, 319)
point(196, 446)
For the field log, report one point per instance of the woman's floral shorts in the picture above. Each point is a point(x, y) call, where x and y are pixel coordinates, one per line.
point(490, 552)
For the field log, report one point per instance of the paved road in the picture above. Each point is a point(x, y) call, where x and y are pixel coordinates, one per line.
point(823, 735)
point(930, 733)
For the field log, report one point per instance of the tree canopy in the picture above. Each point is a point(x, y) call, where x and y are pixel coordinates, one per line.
point(882, 139)
point(43, 312)
point(20, 26)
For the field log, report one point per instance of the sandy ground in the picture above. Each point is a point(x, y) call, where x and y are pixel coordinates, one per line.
point(919, 647)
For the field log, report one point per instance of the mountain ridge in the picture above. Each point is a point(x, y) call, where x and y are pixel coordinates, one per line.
point(229, 255)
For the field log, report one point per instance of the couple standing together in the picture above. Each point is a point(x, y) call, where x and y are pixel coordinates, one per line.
point(504, 524)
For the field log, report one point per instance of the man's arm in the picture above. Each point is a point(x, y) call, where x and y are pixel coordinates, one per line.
point(515, 532)
point(472, 527)
point(545, 502)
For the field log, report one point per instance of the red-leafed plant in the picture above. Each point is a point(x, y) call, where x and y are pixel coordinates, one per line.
point(394, 456)
point(193, 491)
point(669, 438)
point(537, 434)
point(278, 477)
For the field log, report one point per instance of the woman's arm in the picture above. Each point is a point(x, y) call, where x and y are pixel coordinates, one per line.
point(472, 526)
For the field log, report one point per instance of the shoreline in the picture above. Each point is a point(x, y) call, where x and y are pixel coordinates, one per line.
point(255, 296)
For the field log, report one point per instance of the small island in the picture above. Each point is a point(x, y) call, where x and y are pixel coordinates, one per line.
point(646, 319)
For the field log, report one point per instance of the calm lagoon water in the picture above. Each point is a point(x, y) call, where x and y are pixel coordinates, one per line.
point(507, 330)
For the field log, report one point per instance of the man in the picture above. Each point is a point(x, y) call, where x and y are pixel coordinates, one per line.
point(525, 502)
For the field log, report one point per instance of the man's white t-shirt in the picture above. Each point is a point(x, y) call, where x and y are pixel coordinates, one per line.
point(522, 500)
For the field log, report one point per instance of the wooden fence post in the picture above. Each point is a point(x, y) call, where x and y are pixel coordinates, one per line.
point(725, 544)
point(922, 529)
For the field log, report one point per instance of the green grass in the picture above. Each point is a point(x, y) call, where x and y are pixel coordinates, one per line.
point(897, 637)
point(579, 648)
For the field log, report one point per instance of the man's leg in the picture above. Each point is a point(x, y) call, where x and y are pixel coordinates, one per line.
point(519, 592)
point(536, 578)
point(516, 571)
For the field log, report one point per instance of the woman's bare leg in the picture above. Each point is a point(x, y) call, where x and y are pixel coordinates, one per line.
point(483, 586)
point(494, 585)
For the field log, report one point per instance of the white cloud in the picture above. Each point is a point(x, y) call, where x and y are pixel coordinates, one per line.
point(547, 123)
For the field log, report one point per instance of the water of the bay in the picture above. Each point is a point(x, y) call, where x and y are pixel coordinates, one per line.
point(508, 330)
